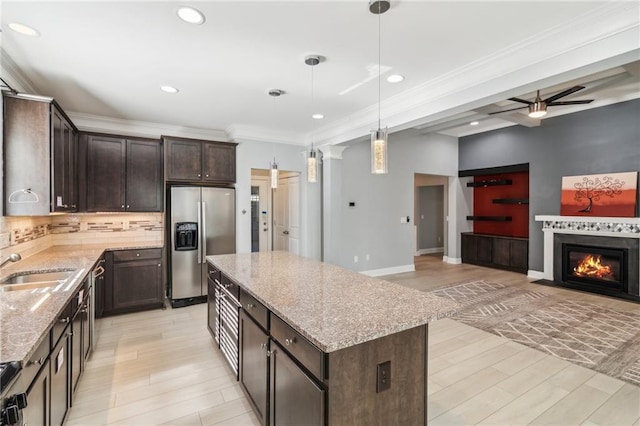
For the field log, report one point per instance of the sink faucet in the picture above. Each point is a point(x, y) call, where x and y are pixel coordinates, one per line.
point(13, 257)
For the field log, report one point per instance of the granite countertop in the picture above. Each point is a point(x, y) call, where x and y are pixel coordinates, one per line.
point(331, 306)
point(27, 315)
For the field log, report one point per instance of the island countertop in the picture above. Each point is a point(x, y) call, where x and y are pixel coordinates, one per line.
point(27, 315)
point(331, 306)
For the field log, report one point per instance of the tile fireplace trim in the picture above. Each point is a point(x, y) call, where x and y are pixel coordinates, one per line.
point(622, 227)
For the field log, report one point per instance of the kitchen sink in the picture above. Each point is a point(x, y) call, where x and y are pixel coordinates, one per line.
point(29, 286)
point(37, 278)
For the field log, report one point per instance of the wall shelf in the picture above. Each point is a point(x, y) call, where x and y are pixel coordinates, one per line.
point(510, 201)
point(490, 218)
point(489, 182)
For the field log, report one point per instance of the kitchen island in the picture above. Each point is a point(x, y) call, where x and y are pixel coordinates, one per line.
point(355, 345)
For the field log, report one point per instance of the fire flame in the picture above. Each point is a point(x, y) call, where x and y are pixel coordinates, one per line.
point(591, 267)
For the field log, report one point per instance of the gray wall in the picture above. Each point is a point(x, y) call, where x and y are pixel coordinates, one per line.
point(430, 217)
point(373, 226)
point(599, 140)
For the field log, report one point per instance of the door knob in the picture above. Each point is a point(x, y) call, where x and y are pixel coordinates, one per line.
point(285, 232)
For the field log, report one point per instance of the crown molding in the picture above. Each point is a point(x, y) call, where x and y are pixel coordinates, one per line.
point(96, 123)
point(14, 75)
point(243, 133)
point(604, 37)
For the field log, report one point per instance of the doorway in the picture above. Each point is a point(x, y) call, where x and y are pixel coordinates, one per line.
point(275, 213)
point(430, 204)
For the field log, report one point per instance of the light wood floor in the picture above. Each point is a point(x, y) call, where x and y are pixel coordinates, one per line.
point(161, 367)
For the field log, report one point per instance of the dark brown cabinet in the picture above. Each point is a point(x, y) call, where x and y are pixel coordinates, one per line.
point(133, 281)
point(59, 362)
point(496, 251)
point(39, 157)
point(38, 399)
point(191, 160)
point(254, 364)
point(122, 174)
point(295, 398)
point(80, 338)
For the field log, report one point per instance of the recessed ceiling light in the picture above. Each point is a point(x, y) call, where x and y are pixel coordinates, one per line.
point(317, 116)
point(191, 15)
point(474, 123)
point(23, 29)
point(169, 89)
point(395, 78)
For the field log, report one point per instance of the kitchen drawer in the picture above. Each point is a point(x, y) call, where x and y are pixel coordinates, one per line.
point(230, 286)
point(37, 360)
point(80, 296)
point(128, 255)
point(298, 346)
point(255, 309)
point(213, 272)
point(61, 323)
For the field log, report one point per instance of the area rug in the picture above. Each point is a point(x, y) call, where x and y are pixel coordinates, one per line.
point(595, 337)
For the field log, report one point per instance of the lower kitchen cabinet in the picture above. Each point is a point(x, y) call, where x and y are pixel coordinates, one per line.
point(295, 398)
point(80, 339)
point(133, 281)
point(38, 399)
point(213, 312)
point(60, 389)
point(254, 364)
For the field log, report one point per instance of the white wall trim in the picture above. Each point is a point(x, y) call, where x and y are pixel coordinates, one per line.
point(536, 275)
point(332, 152)
point(242, 133)
point(97, 123)
point(389, 271)
point(14, 75)
point(420, 252)
point(452, 260)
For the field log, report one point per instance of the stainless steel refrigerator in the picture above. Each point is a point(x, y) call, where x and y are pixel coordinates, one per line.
point(202, 223)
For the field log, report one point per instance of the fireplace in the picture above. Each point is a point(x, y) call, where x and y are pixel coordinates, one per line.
point(599, 264)
point(601, 267)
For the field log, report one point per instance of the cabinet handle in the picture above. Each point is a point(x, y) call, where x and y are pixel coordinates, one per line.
point(273, 352)
point(73, 206)
point(137, 254)
point(199, 175)
point(263, 345)
point(37, 361)
point(206, 175)
point(159, 265)
point(64, 320)
point(128, 206)
point(227, 286)
point(250, 306)
point(289, 342)
point(122, 206)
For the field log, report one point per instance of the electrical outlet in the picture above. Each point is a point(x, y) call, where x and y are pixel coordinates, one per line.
point(383, 381)
point(355, 259)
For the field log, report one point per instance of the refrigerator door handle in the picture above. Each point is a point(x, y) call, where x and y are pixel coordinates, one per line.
point(199, 234)
point(204, 232)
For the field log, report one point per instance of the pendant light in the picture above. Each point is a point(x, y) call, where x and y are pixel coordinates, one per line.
point(379, 137)
point(312, 160)
point(273, 173)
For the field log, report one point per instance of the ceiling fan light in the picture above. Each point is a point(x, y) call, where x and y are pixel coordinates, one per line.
point(537, 110)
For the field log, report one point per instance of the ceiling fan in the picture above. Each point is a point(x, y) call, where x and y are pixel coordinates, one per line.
point(538, 107)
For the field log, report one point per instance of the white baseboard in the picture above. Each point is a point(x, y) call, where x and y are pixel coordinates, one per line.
point(536, 275)
point(420, 252)
point(452, 260)
point(389, 271)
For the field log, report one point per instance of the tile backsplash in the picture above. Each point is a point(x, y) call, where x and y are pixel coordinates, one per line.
point(28, 235)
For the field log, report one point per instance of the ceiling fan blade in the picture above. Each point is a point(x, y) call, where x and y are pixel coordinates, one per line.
point(583, 102)
point(524, 101)
point(506, 110)
point(563, 94)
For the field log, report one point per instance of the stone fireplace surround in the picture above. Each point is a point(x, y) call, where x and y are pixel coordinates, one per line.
point(593, 231)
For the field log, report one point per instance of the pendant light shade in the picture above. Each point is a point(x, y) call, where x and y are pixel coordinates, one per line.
point(274, 175)
point(312, 166)
point(379, 137)
point(379, 152)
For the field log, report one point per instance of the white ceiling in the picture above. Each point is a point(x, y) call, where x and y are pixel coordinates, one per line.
point(105, 61)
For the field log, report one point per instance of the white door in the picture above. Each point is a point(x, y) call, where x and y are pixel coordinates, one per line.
point(286, 215)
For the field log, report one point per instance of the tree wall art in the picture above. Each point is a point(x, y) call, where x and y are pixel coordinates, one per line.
point(603, 195)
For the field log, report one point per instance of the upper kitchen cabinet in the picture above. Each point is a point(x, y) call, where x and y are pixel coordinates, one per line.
point(191, 160)
point(39, 157)
point(122, 173)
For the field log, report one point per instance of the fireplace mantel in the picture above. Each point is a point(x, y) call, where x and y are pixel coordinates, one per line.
point(622, 227)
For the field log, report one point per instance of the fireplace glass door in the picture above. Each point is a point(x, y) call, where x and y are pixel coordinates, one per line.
point(594, 266)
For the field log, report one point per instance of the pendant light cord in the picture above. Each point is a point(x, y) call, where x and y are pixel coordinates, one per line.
point(379, 56)
point(313, 128)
